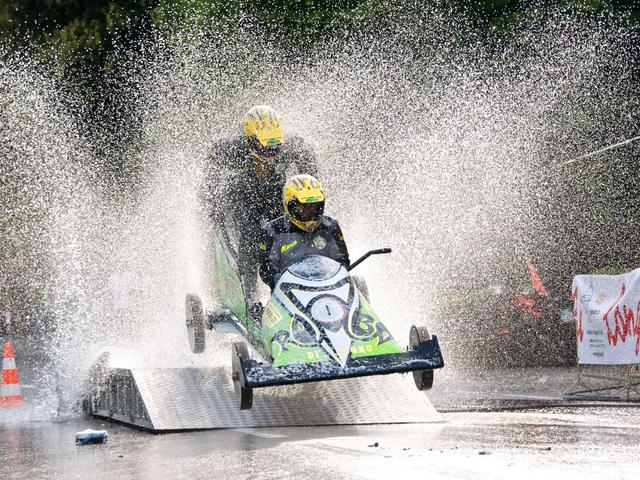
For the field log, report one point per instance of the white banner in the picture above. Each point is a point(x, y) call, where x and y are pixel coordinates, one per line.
point(607, 314)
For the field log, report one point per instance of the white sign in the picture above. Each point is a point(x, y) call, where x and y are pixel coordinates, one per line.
point(607, 314)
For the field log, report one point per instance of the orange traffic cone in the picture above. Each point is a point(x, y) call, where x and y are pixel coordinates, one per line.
point(10, 395)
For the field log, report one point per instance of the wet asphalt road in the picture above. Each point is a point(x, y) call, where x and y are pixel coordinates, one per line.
point(488, 428)
point(552, 442)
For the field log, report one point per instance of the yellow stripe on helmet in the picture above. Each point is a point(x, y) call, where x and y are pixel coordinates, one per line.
point(265, 124)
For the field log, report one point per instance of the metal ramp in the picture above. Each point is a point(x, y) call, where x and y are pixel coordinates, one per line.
point(173, 399)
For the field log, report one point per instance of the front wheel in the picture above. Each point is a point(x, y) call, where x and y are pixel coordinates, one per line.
point(195, 323)
point(422, 378)
point(244, 395)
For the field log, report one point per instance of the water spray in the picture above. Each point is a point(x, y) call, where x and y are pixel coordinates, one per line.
point(426, 142)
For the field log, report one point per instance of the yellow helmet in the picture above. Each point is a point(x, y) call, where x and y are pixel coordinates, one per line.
point(303, 199)
point(263, 131)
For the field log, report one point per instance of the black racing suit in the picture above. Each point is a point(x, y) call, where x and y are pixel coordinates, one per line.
point(283, 244)
point(233, 190)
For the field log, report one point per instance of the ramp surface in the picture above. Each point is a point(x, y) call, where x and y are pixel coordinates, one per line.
point(203, 398)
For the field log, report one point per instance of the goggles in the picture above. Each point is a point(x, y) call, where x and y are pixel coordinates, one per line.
point(306, 212)
point(268, 151)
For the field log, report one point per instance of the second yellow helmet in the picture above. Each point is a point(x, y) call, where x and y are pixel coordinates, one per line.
point(263, 131)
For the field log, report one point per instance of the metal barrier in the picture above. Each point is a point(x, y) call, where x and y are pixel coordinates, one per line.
point(607, 382)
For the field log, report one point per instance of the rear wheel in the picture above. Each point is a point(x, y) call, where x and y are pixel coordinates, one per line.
point(244, 395)
point(195, 323)
point(422, 378)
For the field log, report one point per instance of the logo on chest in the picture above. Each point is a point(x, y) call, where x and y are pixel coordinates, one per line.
point(319, 242)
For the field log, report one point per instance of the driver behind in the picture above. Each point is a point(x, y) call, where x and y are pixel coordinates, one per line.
point(252, 168)
point(302, 231)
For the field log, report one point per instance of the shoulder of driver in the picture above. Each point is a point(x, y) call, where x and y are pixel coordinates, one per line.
point(294, 146)
point(230, 152)
point(330, 224)
point(276, 226)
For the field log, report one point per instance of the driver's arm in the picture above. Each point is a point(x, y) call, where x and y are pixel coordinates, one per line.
point(214, 191)
point(268, 271)
point(343, 257)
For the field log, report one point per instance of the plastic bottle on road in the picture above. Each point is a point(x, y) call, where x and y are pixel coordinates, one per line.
point(91, 436)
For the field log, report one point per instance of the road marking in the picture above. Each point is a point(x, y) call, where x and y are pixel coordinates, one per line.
point(258, 433)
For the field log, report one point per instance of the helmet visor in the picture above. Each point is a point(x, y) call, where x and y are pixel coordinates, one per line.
point(306, 212)
point(263, 151)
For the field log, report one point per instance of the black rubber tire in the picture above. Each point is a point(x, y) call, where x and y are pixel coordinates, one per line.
point(361, 285)
point(244, 395)
point(422, 378)
point(194, 316)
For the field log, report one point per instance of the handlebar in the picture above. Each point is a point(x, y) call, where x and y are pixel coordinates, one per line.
point(379, 251)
